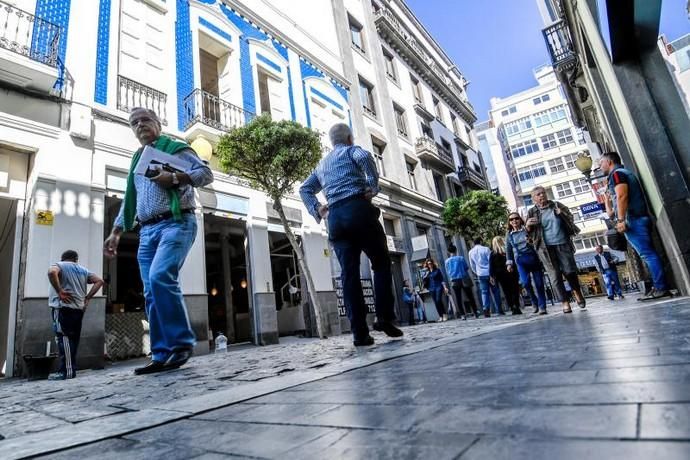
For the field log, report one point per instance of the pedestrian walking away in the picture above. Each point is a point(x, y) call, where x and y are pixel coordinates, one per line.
point(408, 296)
point(520, 253)
point(349, 180)
point(551, 227)
point(68, 299)
point(457, 271)
point(626, 204)
point(507, 279)
point(606, 265)
point(163, 206)
point(480, 262)
point(436, 284)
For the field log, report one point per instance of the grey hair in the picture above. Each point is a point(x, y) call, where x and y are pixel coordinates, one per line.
point(537, 189)
point(340, 133)
point(150, 112)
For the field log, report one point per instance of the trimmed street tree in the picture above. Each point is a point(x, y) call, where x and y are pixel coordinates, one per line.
point(274, 156)
point(477, 213)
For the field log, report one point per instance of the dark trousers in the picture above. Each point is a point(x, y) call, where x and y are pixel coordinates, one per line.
point(67, 327)
point(456, 285)
point(353, 228)
point(437, 295)
point(511, 288)
point(469, 294)
point(562, 264)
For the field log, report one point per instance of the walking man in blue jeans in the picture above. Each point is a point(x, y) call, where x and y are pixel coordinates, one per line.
point(479, 262)
point(163, 206)
point(349, 180)
point(626, 203)
point(606, 265)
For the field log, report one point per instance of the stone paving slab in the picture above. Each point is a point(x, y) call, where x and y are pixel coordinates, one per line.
point(443, 396)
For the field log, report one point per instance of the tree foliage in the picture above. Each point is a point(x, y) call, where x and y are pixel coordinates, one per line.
point(477, 213)
point(272, 155)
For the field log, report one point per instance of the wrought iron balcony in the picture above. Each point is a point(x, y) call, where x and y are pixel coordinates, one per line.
point(210, 110)
point(131, 94)
point(471, 178)
point(391, 30)
point(560, 45)
point(435, 155)
point(23, 33)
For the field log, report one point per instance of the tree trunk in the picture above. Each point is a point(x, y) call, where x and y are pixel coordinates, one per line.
point(311, 289)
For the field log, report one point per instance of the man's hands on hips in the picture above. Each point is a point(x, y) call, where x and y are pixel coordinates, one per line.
point(110, 244)
point(65, 296)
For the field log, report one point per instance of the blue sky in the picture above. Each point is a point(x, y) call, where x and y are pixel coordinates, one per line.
point(497, 43)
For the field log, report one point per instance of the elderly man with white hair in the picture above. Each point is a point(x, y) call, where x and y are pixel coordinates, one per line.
point(349, 180)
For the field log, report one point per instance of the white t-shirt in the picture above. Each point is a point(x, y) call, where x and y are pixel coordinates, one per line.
point(73, 279)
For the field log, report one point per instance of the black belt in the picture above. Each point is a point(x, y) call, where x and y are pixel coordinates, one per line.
point(164, 216)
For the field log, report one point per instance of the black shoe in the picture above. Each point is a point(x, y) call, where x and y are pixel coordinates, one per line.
point(364, 342)
point(178, 358)
point(536, 310)
point(517, 311)
point(487, 314)
point(151, 367)
point(611, 298)
point(621, 297)
point(542, 312)
point(387, 328)
point(476, 314)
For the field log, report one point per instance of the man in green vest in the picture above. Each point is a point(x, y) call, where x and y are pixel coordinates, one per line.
point(163, 206)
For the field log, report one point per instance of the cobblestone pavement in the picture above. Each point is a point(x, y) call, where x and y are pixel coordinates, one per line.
point(609, 382)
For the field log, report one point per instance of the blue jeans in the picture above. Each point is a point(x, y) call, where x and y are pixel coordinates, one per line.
point(639, 236)
point(537, 275)
point(163, 247)
point(487, 290)
point(613, 284)
point(353, 228)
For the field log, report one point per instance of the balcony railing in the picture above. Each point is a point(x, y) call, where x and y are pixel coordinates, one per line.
point(210, 110)
point(560, 45)
point(430, 152)
point(469, 175)
point(393, 31)
point(131, 94)
point(23, 33)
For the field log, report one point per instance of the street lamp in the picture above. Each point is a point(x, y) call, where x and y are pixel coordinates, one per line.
point(584, 165)
point(203, 148)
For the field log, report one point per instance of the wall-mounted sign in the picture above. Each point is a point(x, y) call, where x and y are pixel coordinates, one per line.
point(44, 217)
point(591, 208)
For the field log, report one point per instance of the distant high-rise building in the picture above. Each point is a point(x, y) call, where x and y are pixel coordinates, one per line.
point(538, 146)
point(677, 56)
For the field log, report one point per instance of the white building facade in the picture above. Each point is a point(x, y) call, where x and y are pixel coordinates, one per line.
point(677, 56)
point(540, 146)
point(496, 158)
point(71, 70)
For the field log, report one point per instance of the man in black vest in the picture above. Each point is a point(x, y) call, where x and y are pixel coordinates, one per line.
point(606, 265)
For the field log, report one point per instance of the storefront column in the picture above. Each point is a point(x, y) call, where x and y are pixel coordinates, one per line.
point(193, 285)
point(317, 254)
point(262, 299)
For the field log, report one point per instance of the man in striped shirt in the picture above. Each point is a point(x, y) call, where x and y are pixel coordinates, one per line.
point(349, 180)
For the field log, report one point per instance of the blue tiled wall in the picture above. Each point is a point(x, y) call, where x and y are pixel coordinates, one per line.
point(184, 58)
point(102, 51)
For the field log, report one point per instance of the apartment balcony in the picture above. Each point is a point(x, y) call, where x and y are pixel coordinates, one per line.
point(560, 46)
point(471, 178)
point(29, 50)
point(131, 94)
point(207, 114)
point(393, 32)
point(434, 155)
